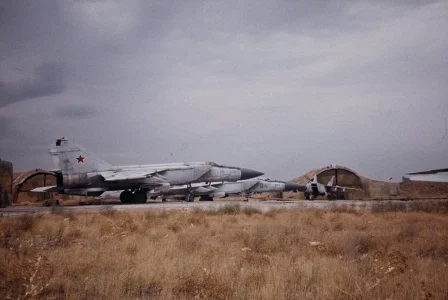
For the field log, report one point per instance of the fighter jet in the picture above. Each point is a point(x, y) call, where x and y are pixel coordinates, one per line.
point(312, 189)
point(81, 173)
point(207, 191)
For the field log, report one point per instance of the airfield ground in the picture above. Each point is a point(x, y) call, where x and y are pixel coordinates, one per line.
point(233, 252)
point(264, 205)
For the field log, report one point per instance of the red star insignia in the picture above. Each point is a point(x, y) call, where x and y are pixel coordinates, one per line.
point(80, 159)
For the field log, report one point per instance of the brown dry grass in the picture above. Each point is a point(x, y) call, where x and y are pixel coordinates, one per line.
point(232, 253)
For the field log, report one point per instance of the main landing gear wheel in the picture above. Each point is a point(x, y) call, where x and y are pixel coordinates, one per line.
point(126, 196)
point(189, 197)
point(140, 196)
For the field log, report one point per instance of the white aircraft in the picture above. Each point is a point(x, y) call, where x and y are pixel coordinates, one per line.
point(225, 189)
point(312, 189)
point(81, 173)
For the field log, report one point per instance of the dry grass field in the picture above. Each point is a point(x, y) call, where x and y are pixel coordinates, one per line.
point(232, 253)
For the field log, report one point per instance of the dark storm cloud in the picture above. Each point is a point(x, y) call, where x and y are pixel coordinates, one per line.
point(290, 85)
point(48, 79)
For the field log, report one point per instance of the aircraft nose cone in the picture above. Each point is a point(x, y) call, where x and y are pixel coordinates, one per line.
point(292, 186)
point(248, 173)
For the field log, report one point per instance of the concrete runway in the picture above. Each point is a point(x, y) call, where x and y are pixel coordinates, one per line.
point(262, 205)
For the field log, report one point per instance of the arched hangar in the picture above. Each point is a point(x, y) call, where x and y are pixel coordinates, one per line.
point(344, 176)
point(29, 180)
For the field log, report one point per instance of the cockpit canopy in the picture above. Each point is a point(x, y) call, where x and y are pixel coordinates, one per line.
point(220, 166)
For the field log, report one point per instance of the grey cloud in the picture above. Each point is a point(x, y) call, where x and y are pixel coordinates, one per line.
point(75, 111)
point(9, 135)
point(280, 86)
point(4, 124)
point(48, 79)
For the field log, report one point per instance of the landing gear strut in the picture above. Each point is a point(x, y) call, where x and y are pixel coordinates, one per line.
point(246, 197)
point(189, 197)
point(309, 196)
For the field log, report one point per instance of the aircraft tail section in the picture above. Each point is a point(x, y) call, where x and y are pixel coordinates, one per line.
point(72, 158)
point(331, 182)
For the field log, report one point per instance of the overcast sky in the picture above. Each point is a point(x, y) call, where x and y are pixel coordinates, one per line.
point(277, 86)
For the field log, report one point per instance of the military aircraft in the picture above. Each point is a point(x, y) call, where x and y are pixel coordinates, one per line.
point(207, 191)
point(438, 175)
point(312, 189)
point(81, 173)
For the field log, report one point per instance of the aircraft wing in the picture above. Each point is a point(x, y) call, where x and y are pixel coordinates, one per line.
point(130, 175)
point(203, 189)
point(437, 175)
point(430, 172)
point(195, 187)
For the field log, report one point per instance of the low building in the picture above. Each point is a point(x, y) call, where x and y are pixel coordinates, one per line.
point(423, 189)
point(6, 182)
point(6, 175)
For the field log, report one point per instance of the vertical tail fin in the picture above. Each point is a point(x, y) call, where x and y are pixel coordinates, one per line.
point(72, 158)
point(314, 178)
point(331, 182)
